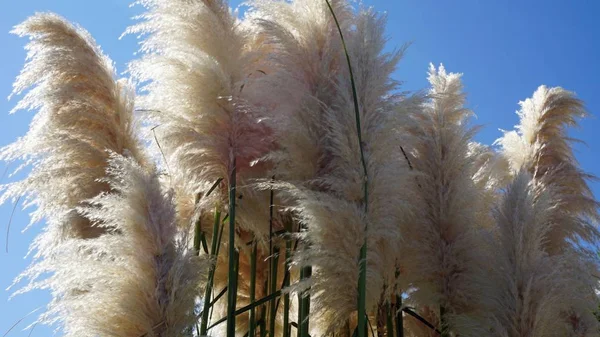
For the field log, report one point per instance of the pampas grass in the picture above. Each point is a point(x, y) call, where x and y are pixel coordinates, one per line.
point(290, 188)
point(82, 113)
point(533, 290)
point(331, 205)
point(530, 289)
point(209, 127)
point(441, 260)
point(541, 146)
point(139, 279)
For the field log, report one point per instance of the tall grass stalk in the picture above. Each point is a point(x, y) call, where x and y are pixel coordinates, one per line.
point(252, 327)
point(263, 313)
point(304, 301)
point(286, 282)
point(362, 279)
point(399, 317)
point(389, 319)
point(273, 259)
point(443, 323)
point(273, 308)
point(211, 274)
point(233, 256)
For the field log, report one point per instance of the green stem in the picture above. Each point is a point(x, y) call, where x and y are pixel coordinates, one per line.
point(399, 317)
point(199, 236)
point(362, 279)
point(389, 320)
point(272, 266)
point(443, 323)
point(421, 319)
point(252, 331)
point(233, 255)
point(211, 273)
point(305, 273)
point(263, 313)
point(219, 240)
point(286, 283)
point(272, 309)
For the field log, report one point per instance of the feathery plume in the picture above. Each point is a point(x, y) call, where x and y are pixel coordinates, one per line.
point(197, 62)
point(328, 196)
point(139, 279)
point(82, 113)
point(202, 67)
point(533, 291)
point(491, 173)
point(441, 260)
point(307, 58)
point(541, 146)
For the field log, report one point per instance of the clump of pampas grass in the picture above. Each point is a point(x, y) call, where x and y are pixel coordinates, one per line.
point(291, 188)
point(139, 279)
point(202, 65)
point(82, 113)
point(327, 191)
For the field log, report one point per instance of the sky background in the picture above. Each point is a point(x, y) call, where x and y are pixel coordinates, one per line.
point(505, 49)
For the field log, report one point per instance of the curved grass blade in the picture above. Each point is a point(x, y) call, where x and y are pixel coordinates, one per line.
point(362, 279)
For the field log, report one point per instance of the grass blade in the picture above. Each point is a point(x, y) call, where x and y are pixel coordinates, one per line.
point(248, 307)
point(273, 309)
point(252, 331)
point(399, 317)
point(443, 322)
point(233, 256)
point(211, 273)
point(421, 319)
point(389, 320)
point(304, 303)
point(286, 283)
point(199, 237)
point(362, 279)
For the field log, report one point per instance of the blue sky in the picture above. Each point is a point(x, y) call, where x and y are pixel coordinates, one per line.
point(505, 49)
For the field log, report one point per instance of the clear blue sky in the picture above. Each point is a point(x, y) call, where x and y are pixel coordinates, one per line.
point(505, 49)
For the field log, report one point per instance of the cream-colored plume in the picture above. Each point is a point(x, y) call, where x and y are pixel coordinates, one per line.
point(491, 173)
point(441, 262)
point(541, 146)
point(139, 279)
point(318, 125)
point(82, 113)
point(203, 67)
point(533, 293)
point(308, 59)
point(200, 61)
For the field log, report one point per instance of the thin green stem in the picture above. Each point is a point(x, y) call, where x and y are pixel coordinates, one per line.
point(422, 320)
point(263, 313)
point(399, 317)
point(272, 266)
point(233, 256)
point(305, 273)
point(389, 320)
point(252, 331)
point(272, 308)
point(248, 307)
point(443, 322)
point(286, 283)
point(211, 273)
point(362, 279)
